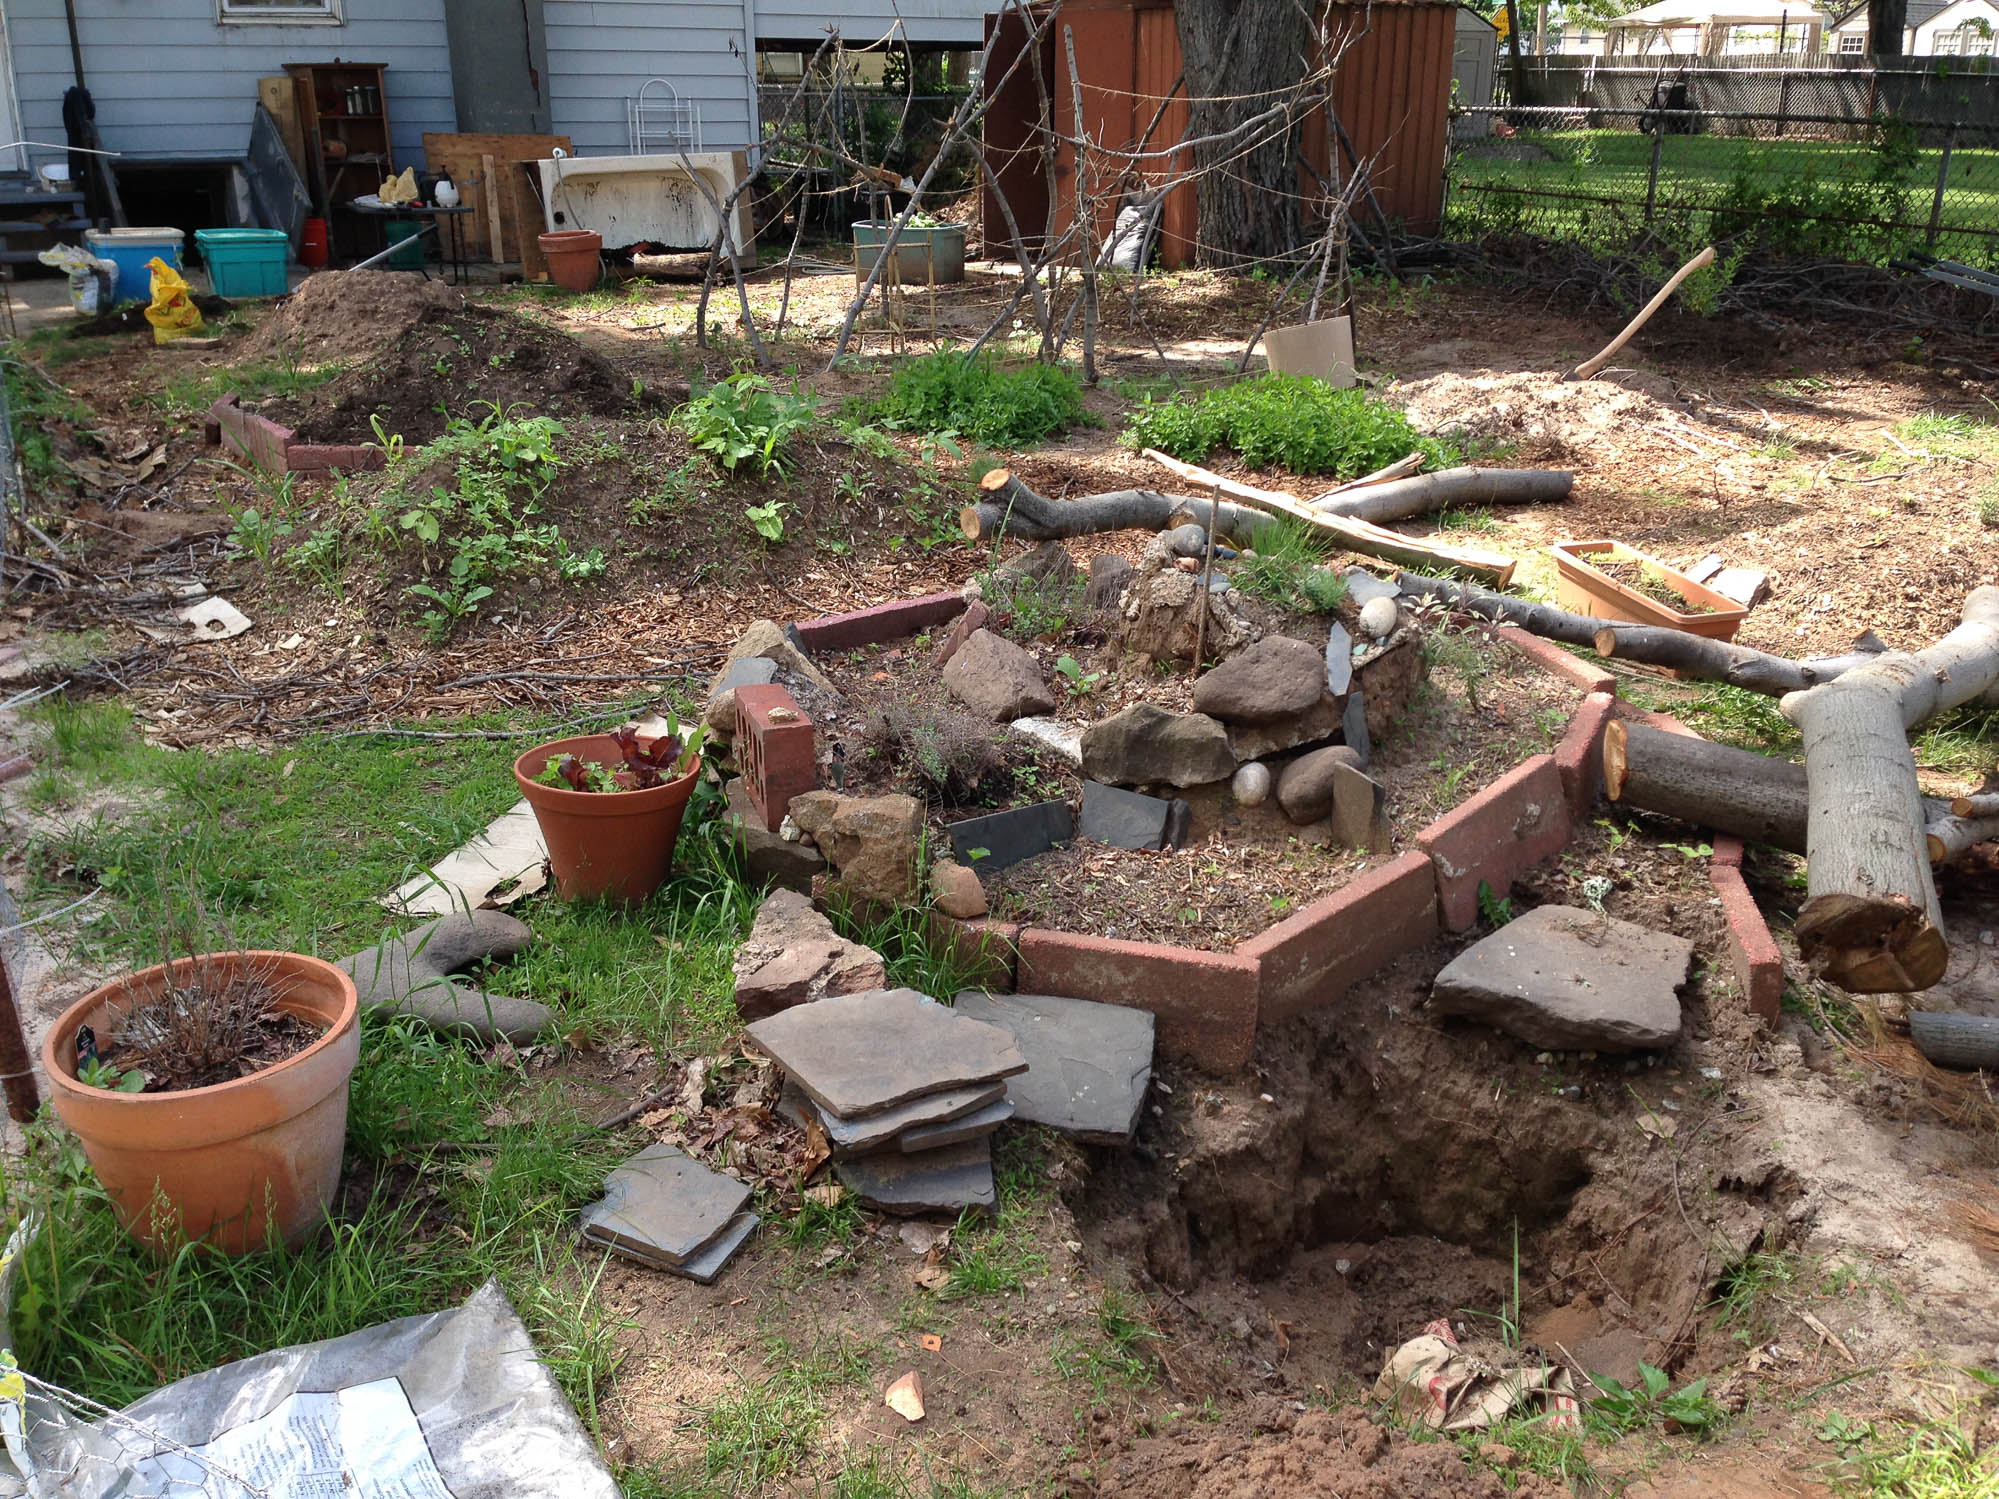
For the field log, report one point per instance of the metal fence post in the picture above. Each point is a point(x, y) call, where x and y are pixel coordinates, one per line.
point(1943, 177)
point(1652, 177)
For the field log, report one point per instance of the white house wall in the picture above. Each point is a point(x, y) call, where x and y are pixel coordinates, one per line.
point(958, 23)
point(170, 80)
point(601, 52)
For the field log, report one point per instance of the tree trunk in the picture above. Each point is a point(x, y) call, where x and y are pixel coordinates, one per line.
point(1398, 499)
point(1984, 804)
point(1886, 20)
point(1242, 57)
point(1969, 1042)
point(1722, 660)
point(1870, 920)
point(1544, 620)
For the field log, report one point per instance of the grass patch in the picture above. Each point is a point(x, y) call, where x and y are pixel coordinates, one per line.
point(999, 1255)
point(1964, 740)
point(187, 393)
point(1898, 1461)
point(976, 398)
point(1747, 720)
point(1289, 570)
point(38, 405)
point(1293, 422)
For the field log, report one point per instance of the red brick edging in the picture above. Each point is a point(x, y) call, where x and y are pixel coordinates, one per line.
point(277, 450)
point(1209, 1004)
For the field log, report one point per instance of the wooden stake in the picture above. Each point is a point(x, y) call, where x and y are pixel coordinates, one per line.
point(1201, 586)
point(489, 179)
point(1589, 367)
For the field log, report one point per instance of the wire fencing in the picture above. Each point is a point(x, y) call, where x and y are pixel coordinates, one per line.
point(1779, 184)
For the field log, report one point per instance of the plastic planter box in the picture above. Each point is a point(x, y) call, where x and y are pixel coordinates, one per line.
point(245, 262)
point(1587, 590)
point(917, 251)
point(129, 250)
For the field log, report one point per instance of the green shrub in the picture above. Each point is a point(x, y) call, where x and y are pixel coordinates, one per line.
point(1294, 422)
point(975, 398)
point(745, 420)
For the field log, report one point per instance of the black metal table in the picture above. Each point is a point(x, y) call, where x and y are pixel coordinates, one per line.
point(451, 243)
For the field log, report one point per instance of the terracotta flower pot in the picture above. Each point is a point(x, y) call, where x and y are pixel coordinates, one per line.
point(237, 1162)
point(608, 845)
point(572, 256)
point(1588, 590)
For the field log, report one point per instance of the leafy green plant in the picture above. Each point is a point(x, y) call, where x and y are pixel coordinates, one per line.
point(744, 420)
point(1689, 1408)
point(646, 763)
point(258, 534)
point(1494, 910)
point(951, 393)
point(1078, 682)
point(767, 519)
point(95, 1072)
point(1294, 422)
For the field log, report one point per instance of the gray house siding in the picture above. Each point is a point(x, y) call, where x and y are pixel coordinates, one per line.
point(170, 80)
point(958, 23)
point(601, 52)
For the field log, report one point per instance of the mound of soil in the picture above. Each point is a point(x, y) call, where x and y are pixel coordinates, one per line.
point(337, 317)
point(453, 362)
point(1531, 411)
point(1274, 1449)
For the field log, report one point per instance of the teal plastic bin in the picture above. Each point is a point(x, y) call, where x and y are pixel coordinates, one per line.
point(402, 233)
point(245, 262)
point(129, 250)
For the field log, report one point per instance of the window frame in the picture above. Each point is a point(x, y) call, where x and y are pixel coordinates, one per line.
point(1852, 43)
point(285, 13)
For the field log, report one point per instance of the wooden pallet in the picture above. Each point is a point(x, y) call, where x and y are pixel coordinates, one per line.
point(496, 175)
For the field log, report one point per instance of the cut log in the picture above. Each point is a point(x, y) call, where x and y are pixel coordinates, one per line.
point(1544, 620)
point(1985, 804)
point(1354, 535)
point(1723, 660)
point(1453, 486)
point(1401, 468)
point(1870, 922)
point(1949, 1039)
point(1758, 799)
point(1016, 510)
point(1950, 837)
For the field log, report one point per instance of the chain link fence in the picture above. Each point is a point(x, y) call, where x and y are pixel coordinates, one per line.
point(1813, 183)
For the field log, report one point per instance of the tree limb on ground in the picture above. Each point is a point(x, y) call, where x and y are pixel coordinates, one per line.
point(1399, 499)
point(1871, 922)
point(1013, 509)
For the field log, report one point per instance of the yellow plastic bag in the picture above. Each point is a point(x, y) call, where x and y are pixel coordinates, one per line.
point(172, 313)
point(400, 189)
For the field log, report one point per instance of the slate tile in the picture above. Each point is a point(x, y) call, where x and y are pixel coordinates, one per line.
point(973, 1126)
point(664, 1207)
point(1011, 836)
point(931, 1181)
point(859, 1054)
point(1088, 1064)
point(851, 1137)
point(1122, 819)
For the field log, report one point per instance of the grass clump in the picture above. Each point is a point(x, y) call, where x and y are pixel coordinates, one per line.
point(1289, 570)
point(1747, 720)
point(975, 398)
point(1294, 422)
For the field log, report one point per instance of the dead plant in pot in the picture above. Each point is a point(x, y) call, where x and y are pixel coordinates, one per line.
point(209, 1093)
point(610, 807)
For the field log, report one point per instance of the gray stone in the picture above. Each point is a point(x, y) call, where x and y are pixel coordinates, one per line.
point(973, 1126)
point(1569, 979)
point(1360, 811)
point(1146, 744)
point(1190, 540)
point(933, 1181)
point(1087, 1063)
point(704, 1267)
point(1339, 660)
point(1363, 587)
point(750, 671)
point(1353, 725)
point(767, 858)
point(666, 1208)
point(1315, 725)
point(1251, 784)
point(1309, 784)
point(793, 956)
point(1109, 573)
point(872, 1132)
point(411, 975)
point(871, 840)
point(1275, 679)
point(1217, 582)
point(997, 679)
point(1047, 565)
point(858, 1054)
point(1122, 819)
point(1000, 840)
point(1179, 824)
point(1063, 740)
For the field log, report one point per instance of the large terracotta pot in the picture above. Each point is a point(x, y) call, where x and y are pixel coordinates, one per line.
point(573, 257)
point(235, 1163)
point(604, 845)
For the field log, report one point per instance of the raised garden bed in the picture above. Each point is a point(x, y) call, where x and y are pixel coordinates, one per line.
point(1613, 581)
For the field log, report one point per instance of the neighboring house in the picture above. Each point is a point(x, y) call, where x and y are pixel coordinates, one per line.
point(1933, 28)
point(176, 80)
point(1716, 28)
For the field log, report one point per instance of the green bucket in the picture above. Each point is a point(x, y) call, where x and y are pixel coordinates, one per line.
point(402, 233)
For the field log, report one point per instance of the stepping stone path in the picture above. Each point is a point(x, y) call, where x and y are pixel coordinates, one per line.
point(1088, 1064)
point(1568, 979)
point(667, 1210)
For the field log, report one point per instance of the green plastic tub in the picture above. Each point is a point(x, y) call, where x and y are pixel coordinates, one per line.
point(245, 262)
point(403, 234)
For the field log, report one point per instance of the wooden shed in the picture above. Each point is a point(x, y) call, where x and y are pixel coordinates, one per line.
point(1392, 94)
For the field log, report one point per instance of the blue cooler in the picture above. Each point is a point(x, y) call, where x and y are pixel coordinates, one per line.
point(129, 250)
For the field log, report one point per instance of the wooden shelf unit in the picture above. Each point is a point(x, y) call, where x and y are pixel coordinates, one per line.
point(347, 155)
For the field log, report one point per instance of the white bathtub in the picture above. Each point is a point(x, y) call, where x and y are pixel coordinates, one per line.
point(654, 199)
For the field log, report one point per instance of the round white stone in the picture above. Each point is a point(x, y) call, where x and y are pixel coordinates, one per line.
point(1377, 618)
point(1251, 784)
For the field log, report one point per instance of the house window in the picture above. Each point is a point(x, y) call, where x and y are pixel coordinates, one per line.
point(278, 12)
point(1852, 43)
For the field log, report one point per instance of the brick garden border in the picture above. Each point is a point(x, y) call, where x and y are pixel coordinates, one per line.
point(1209, 1004)
point(276, 449)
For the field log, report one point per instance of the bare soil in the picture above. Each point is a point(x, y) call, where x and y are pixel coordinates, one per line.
point(337, 317)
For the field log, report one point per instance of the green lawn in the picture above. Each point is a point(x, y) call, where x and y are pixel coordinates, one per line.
point(1812, 196)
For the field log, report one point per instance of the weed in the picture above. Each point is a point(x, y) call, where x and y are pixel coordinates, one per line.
point(1494, 910)
point(1291, 421)
point(1477, 519)
point(1289, 570)
point(918, 956)
point(1689, 1408)
point(767, 519)
point(949, 392)
point(1027, 607)
point(1988, 506)
point(1937, 1460)
point(256, 534)
point(744, 420)
point(1076, 681)
point(1749, 1287)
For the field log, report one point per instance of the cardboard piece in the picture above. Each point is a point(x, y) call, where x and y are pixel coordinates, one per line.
point(509, 855)
point(1324, 349)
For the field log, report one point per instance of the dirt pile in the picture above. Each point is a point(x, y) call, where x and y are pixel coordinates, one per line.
point(1531, 412)
point(337, 317)
point(456, 362)
point(1274, 1449)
